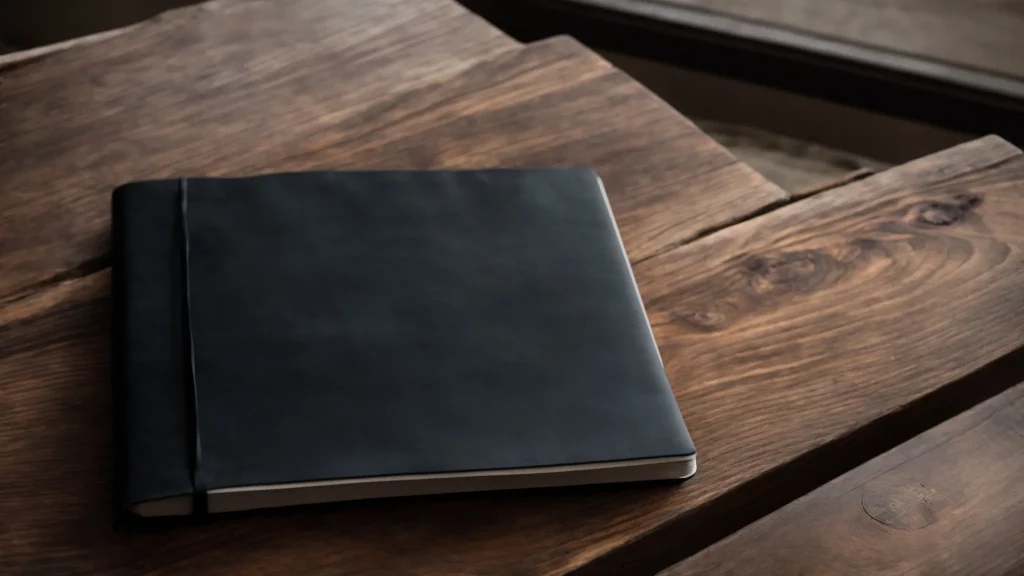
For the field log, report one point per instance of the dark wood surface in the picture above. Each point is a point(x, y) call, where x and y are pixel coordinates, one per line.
point(557, 103)
point(973, 33)
point(912, 86)
point(946, 502)
point(199, 88)
point(763, 425)
point(800, 342)
point(553, 103)
point(271, 97)
point(804, 341)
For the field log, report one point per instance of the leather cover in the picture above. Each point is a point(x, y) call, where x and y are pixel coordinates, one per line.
point(361, 324)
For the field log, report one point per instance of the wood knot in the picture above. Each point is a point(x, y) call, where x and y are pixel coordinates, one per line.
point(796, 271)
point(946, 213)
point(706, 321)
point(904, 505)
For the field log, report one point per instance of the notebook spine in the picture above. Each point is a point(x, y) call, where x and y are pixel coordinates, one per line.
point(118, 341)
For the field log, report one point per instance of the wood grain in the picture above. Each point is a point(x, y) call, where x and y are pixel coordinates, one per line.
point(552, 103)
point(821, 333)
point(975, 33)
point(207, 86)
point(945, 502)
point(555, 103)
point(810, 367)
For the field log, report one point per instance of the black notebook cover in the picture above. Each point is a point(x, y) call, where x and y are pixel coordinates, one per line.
point(337, 328)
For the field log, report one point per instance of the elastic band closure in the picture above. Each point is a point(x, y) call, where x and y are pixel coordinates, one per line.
point(200, 499)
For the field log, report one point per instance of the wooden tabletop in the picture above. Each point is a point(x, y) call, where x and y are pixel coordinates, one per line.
point(802, 336)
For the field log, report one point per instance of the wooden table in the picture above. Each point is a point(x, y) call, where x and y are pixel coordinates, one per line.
point(803, 336)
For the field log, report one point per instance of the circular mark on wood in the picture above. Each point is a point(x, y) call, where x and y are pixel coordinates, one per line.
point(904, 506)
point(706, 321)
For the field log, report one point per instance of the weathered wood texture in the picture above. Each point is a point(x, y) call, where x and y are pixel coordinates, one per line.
point(815, 336)
point(197, 88)
point(556, 103)
point(947, 502)
point(403, 97)
point(975, 33)
point(800, 343)
point(786, 338)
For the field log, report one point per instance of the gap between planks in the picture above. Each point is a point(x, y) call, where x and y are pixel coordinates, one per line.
point(951, 484)
point(855, 177)
point(101, 263)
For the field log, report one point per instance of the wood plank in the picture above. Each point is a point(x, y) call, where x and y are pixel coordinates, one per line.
point(807, 340)
point(945, 502)
point(973, 33)
point(793, 381)
point(552, 103)
point(555, 103)
point(883, 138)
point(800, 166)
point(205, 86)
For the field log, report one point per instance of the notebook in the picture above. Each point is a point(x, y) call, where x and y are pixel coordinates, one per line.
point(309, 337)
